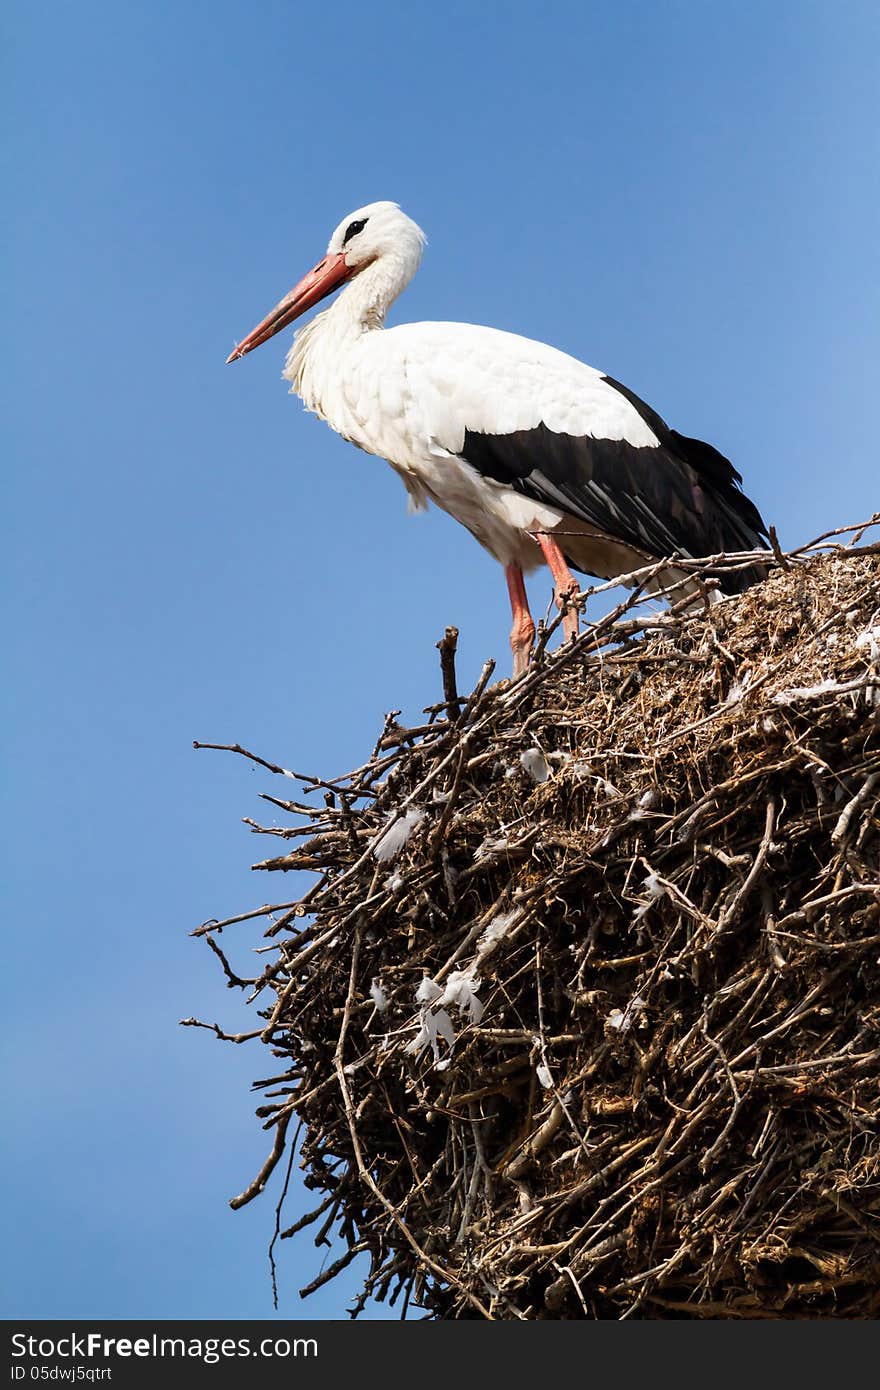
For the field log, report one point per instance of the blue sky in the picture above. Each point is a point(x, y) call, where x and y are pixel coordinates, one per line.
point(683, 194)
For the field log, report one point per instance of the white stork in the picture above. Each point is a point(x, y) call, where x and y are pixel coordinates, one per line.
point(538, 455)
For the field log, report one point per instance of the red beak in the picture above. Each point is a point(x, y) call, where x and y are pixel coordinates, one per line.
point(327, 276)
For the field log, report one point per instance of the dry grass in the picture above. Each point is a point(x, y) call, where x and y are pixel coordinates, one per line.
point(668, 1106)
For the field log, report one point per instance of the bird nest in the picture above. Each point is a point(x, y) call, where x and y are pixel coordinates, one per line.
point(579, 1015)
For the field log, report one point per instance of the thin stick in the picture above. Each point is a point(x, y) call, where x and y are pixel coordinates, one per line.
point(447, 648)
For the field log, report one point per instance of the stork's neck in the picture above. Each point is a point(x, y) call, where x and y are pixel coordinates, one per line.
point(319, 347)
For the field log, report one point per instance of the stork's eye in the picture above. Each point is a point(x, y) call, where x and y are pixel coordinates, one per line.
point(353, 228)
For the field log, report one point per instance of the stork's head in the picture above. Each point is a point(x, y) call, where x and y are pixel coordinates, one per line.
point(379, 229)
point(378, 234)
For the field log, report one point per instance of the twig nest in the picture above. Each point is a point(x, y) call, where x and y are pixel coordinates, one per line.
point(608, 1041)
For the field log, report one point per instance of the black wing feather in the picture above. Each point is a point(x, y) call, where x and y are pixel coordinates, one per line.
point(679, 496)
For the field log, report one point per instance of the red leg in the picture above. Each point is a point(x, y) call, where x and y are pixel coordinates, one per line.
point(522, 634)
point(566, 584)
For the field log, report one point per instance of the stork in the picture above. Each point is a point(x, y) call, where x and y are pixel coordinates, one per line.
point(541, 457)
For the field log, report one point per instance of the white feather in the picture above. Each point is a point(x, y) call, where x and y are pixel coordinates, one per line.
point(535, 764)
point(398, 829)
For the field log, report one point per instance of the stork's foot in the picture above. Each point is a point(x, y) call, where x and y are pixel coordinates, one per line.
point(565, 584)
point(522, 639)
point(522, 634)
point(570, 617)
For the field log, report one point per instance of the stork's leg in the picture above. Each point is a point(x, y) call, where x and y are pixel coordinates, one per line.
point(565, 582)
point(522, 634)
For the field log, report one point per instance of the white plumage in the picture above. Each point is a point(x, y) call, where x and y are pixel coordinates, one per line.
point(521, 443)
